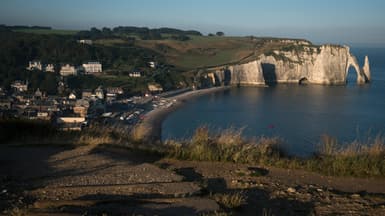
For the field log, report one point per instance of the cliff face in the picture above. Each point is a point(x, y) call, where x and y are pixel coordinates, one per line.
point(323, 65)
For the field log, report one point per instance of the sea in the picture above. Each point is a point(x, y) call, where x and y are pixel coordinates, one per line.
point(298, 114)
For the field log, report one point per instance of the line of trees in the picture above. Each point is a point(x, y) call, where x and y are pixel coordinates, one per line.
point(143, 32)
point(17, 27)
point(18, 48)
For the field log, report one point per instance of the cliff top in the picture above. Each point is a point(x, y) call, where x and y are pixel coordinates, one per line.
point(209, 51)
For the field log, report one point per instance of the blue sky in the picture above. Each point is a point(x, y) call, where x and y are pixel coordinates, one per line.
point(337, 21)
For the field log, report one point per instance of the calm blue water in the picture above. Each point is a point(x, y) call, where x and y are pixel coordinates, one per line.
point(298, 114)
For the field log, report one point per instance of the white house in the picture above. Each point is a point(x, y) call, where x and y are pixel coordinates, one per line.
point(135, 74)
point(67, 70)
point(99, 92)
point(72, 96)
point(71, 123)
point(19, 86)
point(35, 65)
point(92, 67)
point(85, 41)
point(152, 64)
point(155, 87)
point(49, 68)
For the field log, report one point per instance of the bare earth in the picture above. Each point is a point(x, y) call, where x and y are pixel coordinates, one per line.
point(96, 180)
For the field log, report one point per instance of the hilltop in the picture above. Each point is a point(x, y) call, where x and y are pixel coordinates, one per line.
point(121, 50)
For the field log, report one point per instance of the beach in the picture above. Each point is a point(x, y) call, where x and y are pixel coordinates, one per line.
point(150, 129)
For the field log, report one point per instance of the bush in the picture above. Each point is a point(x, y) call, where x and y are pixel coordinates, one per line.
point(361, 159)
point(230, 200)
point(225, 146)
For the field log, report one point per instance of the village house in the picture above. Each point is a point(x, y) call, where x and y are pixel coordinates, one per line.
point(85, 41)
point(35, 65)
point(43, 115)
point(2, 92)
point(99, 92)
point(72, 96)
point(67, 70)
point(135, 74)
point(49, 68)
point(44, 105)
point(114, 90)
point(86, 94)
point(152, 64)
point(5, 104)
point(155, 88)
point(29, 113)
point(38, 95)
point(92, 68)
point(81, 107)
point(71, 123)
point(19, 86)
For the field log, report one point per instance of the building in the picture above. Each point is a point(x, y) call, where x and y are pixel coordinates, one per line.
point(67, 70)
point(86, 94)
point(155, 87)
point(115, 90)
point(135, 74)
point(92, 68)
point(72, 96)
point(85, 41)
point(71, 123)
point(99, 92)
point(38, 94)
point(81, 107)
point(5, 104)
point(43, 116)
point(152, 64)
point(49, 68)
point(35, 65)
point(112, 93)
point(19, 86)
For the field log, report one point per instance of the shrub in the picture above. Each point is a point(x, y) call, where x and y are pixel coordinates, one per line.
point(230, 200)
point(225, 146)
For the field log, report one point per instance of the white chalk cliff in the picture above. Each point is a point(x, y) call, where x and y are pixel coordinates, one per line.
point(327, 64)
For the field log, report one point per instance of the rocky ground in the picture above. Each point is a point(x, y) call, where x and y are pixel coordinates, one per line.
point(91, 180)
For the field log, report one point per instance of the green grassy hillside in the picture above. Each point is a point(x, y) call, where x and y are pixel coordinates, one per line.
point(207, 51)
point(47, 31)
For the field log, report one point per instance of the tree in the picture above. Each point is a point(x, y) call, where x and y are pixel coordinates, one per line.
point(220, 33)
point(210, 35)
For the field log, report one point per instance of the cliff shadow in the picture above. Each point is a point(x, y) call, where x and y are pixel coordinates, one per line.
point(217, 80)
point(269, 74)
point(226, 77)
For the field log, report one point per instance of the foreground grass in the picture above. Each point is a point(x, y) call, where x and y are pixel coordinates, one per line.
point(232, 200)
point(360, 158)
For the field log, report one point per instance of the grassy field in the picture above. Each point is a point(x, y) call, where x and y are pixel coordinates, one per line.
point(200, 51)
point(209, 51)
point(47, 31)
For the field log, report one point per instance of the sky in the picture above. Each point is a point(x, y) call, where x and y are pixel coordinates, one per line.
point(322, 21)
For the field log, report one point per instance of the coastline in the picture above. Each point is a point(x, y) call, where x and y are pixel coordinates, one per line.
point(150, 129)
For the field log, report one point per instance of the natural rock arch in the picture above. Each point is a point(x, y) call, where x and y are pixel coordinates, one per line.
point(352, 62)
point(303, 81)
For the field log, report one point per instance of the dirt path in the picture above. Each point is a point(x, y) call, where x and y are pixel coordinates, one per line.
point(95, 180)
